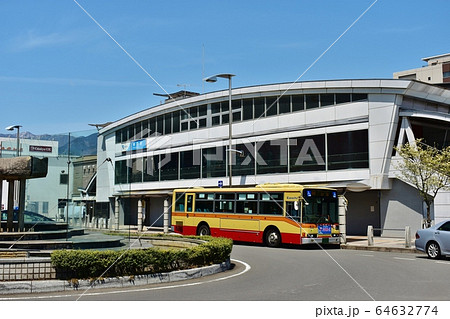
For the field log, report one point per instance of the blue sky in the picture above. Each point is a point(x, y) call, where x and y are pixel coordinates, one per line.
point(60, 71)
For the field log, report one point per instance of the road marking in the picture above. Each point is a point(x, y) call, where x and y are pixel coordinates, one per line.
point(401, 258)
point(247, 268)
point(365, 255)
point(443, 262)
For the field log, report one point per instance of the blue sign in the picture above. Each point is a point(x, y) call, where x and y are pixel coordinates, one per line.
point(137, 145)
point(220, 183)
point(324, 229)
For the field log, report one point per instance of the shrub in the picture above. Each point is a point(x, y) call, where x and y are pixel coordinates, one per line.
point(91, 263)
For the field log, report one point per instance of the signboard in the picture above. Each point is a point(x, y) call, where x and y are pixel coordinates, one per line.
point(324, 229)
point(137, 145)
point(220, 183)
point(39, 148)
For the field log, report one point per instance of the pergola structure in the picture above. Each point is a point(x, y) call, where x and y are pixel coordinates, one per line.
point(16, 171)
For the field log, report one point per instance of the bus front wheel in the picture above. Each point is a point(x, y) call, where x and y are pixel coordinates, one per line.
point(203, 230)
point(272, 237)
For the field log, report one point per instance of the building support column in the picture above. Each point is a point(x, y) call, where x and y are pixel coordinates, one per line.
point(166, 215)
point(10, 217)
point(343, 219)
point(139, 215)
point(116, 213)
point(20, 217)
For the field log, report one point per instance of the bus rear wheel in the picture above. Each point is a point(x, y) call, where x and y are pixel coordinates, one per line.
point(272, 237)
point(203, 230)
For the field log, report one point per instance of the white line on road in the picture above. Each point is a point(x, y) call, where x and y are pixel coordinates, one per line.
point(247, 268)
point(401, 258)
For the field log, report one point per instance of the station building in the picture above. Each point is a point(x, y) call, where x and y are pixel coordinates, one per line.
point(339, 133)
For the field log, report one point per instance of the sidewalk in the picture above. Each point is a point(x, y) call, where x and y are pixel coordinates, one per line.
point(387, 244)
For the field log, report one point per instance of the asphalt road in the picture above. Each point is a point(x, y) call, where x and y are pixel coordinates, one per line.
point(300, 274)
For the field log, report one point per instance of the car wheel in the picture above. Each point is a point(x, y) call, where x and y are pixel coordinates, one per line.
point(433, 250)
point(203, 230)
point(273, 237)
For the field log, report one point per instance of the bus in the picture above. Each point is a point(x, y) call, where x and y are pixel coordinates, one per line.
point(271, 214)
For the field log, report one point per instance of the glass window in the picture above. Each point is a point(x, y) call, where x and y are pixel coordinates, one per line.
point(247, 109)
point(348, 150)
point(137, 131)
point(202, 123)
point(236, 104)
point(189, 203)
point(312, 101)
point(193, 125)
point(204, 203)
point(259, 108)
point(298, 103)
point(225, 118)
point(152, 126)
point(243, 160)
point(184, 126)
point(224, 106)
point(168, 123)
point(159, 124)
point(169, 166)
point(237, 116)
point(445, 227)
point(359, 97)
point(247, 203)
point(151, 171)
point(215, 120)
point(272, 106)
point(213, 162)
point(271, 204)
point(342, 98)
point(120, 172)
point(326, 99)
point(118, 136)
point(176, 121)
point(124, 132)
point(145, 132)
point(307, 153)
point(224, 203)
point(190, 164)
point(202, 110)
point(63, 179)
point(193, 112)
point(272, 157)
point(215, 108)
point(284, 104)
point(136, 170)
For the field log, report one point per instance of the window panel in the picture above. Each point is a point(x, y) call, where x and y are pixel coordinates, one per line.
point(169, 166)
point(259, 108)
point(151, 171)
point(348, 150)
point(213, 162)
point(326, 99)
point(247, 109)
point(272, 157)
point(271, 106)
point(307, 153)
point(189, 164)
point(311, 101)
point(298, 103)
point(284, 104)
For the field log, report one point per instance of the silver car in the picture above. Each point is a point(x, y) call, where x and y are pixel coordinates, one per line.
point(435, 241)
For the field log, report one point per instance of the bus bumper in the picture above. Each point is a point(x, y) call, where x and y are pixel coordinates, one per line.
point(326, 240)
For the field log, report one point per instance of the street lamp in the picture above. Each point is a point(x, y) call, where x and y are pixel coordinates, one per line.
point(11, 128)
point(230, 119)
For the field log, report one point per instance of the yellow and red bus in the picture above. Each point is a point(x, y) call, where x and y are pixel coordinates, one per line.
point(269, 213)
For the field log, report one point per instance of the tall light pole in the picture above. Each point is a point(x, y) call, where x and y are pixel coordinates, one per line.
point(230, 120)
point(11, 128)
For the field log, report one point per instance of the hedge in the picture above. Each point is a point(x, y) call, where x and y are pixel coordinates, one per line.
point(83, 264)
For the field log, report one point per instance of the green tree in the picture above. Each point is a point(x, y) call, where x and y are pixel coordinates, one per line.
point(425, 167)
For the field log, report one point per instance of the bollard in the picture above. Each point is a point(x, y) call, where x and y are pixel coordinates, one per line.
point(407, 237)
point(370, 235)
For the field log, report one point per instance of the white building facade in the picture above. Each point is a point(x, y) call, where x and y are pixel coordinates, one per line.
point(338, 133)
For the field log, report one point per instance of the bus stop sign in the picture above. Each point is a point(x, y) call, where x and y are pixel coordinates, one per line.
point(220, 183)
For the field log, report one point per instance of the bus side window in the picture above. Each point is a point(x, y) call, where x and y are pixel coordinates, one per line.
point(189, 203)
point(179, 203)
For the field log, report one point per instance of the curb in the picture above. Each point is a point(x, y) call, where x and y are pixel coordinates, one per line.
point(39, 286)
point(378, 248)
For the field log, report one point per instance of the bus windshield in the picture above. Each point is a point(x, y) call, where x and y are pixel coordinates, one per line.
point(320, 206)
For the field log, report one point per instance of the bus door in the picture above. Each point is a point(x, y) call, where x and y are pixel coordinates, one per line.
point(293, 206)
